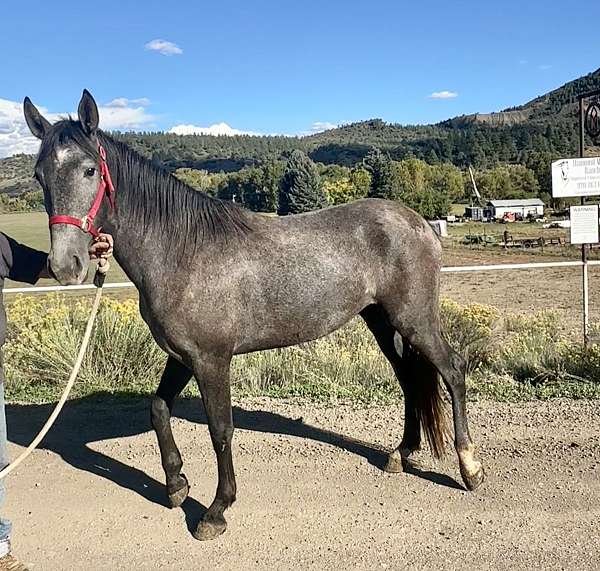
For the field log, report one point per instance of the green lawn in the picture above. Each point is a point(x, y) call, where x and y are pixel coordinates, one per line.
point(31, 228)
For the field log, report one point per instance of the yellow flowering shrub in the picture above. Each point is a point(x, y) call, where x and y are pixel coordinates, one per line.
point(470, 330)
point(44, 335)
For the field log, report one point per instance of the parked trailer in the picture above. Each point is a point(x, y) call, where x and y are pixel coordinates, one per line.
point(525, 243)
point(484, 239)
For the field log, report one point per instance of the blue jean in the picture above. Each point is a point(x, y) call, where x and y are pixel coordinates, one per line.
point(5, 525)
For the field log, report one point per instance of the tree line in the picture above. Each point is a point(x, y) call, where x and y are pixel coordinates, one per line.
point(295, 183)
point(461, 143)
point(298, 184)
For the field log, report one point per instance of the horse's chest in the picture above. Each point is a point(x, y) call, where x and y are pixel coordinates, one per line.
point(158, 323)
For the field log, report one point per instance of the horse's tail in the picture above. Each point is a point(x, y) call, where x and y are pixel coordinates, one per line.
point(426, 396)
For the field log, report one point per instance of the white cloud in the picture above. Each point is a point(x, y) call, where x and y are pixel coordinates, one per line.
point(14, 134)
point(164, 47)
point(216, 129)
point(545, 67)
point(320, 126)
point(523, 62)
point(124, 118)
point(443, 95)
point(118, 114)
point(124, 102)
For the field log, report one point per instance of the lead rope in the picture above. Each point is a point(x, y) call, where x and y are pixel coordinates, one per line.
point(103, 267)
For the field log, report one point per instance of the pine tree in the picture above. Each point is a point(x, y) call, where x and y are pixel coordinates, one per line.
point(383, 177)
point(300, 186)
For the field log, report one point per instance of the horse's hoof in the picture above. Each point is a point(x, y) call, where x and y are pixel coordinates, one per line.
point(208, 530)
point(179, 496)
point(399, 462)
point(473, 481)
point(394, 463)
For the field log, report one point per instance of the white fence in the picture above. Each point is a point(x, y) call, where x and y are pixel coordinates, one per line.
point(447, 269)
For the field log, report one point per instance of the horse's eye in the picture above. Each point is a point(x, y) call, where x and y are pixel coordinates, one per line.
point(90, 172)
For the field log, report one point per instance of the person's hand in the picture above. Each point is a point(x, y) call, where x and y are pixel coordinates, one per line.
point(102, 247)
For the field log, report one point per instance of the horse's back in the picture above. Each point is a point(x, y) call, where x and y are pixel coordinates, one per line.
point(304, 276)
point(381, 229)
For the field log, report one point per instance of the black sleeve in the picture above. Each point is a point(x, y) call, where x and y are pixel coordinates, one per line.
point(20, 263)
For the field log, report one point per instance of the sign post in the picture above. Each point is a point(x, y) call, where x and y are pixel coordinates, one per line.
point(576, 177)
point(584, 224)
point(581, 177)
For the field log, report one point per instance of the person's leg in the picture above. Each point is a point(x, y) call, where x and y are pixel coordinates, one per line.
point(5, 525)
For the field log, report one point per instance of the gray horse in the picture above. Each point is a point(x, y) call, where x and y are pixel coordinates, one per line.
point(216, 281)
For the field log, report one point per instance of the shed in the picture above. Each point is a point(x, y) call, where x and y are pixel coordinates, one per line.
point(522, 207)
point(440, 227)
point(478, 213)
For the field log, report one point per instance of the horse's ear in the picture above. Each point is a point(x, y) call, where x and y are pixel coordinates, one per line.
point(88, 113)
point(36, 122)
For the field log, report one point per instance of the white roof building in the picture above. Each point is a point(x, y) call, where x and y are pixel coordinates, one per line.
point(520, 206)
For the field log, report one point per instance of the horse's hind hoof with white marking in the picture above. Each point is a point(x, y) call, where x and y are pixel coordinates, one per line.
point(473, 481)
point(177, 497)
point(208, 530)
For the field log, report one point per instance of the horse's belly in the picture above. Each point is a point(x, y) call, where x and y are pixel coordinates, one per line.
point(290, 324)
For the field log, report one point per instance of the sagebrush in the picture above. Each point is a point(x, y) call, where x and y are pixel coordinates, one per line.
point(507, 357)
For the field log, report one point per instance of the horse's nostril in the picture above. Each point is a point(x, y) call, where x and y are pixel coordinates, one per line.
point(77, 265)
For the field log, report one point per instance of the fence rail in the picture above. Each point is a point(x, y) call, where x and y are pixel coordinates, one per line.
point(447, 269)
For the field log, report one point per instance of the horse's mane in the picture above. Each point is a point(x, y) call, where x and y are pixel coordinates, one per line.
point(150, 196)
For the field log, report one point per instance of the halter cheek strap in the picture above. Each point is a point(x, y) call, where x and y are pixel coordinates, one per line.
point(105, 188)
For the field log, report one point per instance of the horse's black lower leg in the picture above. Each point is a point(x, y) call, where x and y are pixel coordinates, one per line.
point(451, 367)
point(174, 379)
point(212, 374)
point(384, 333)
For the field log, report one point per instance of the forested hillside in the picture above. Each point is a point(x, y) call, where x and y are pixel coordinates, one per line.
point(511, 151)
point(548, 124)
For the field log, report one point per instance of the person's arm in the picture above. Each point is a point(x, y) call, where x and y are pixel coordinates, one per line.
point(23, 264)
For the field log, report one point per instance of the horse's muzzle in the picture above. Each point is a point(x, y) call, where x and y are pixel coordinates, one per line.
point(68, 269)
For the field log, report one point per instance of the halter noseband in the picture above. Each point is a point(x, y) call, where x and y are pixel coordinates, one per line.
point(105, 188)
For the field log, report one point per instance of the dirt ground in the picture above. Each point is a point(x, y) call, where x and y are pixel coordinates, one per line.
point(311, 492)
point(522, 291)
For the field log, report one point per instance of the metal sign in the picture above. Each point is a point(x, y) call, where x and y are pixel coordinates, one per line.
point(585, 225)
point(576, 177)
point(592, 120)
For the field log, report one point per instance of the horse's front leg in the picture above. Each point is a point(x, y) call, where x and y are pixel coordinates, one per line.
point(212, 374)
point(174, 379)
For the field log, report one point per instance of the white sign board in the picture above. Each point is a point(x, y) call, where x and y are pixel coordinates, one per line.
point(576, 177)
point(585, 224)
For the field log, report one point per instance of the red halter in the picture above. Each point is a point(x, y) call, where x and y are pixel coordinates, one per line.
point(105, 188)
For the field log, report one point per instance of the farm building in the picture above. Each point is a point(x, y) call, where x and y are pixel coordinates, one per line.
point(478, 213)
point(520, 207)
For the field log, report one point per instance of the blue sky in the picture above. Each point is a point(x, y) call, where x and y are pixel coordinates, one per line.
point(285, 67)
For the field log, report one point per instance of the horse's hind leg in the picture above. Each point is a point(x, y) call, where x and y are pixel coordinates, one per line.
point(424, 408)
point(212, 374)
point(425, 336)
point(418, 380)
point(174, 379)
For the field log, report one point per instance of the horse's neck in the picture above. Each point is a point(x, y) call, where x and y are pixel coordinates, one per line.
point(138, 256)
point(138, 253)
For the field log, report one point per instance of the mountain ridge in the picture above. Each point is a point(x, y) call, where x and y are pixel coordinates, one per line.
point(545, 126)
